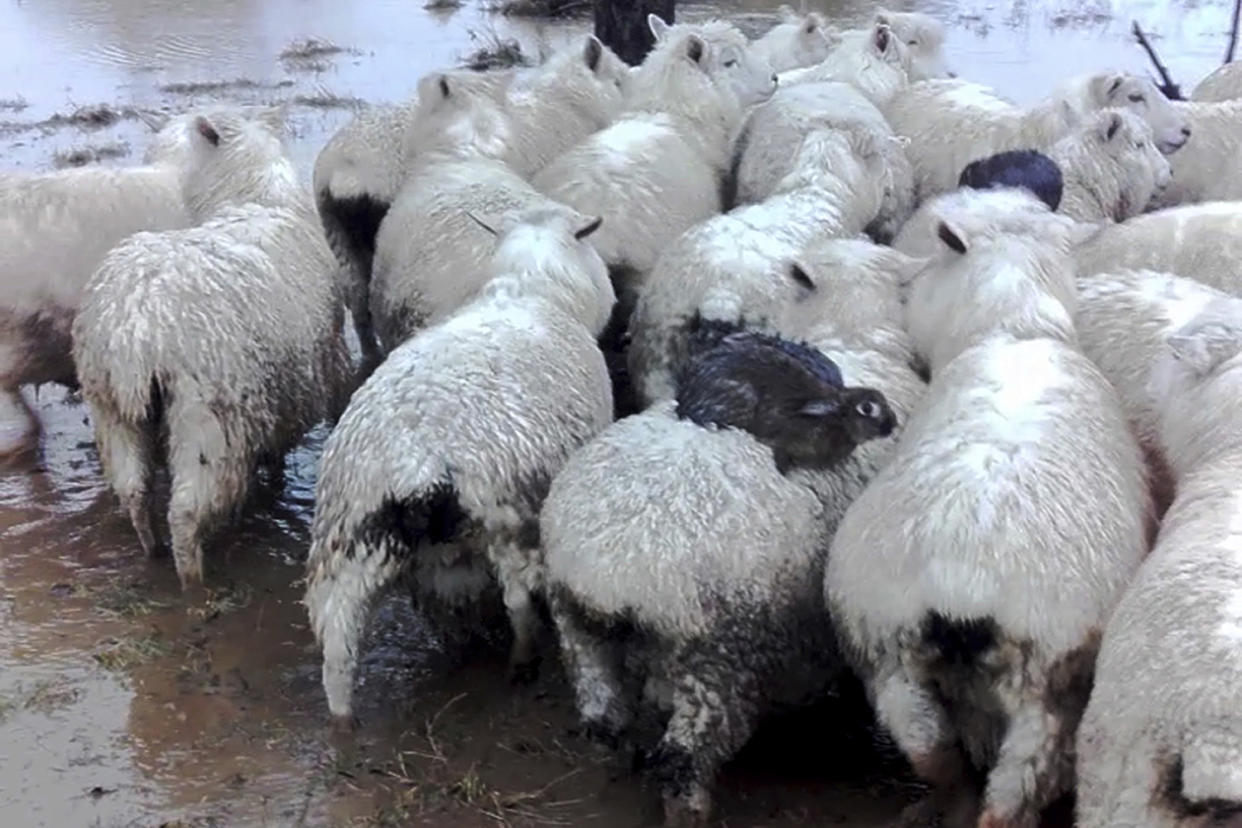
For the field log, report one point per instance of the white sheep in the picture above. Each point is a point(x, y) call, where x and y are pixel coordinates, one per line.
point(873, 60)
point(799, 39)
point(971, 578)
point(430, 257)
point(1122, 320)
point(1111, 167)
point(55, 228)
point(1106, 170)
point(1222, 84)
point(226, 337)
point(1198, 241)
point(742, 266)
point(923, 36)
point(1209, 167)
point(440, 464)
point(684, 556)
point(769, 140)
point(951, 123)
point(918, 238)
point(538, 113)
point(1160, 743)
point(658, 170)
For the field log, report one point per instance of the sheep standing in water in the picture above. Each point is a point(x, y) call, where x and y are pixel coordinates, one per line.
point(684, 556)
point(1161, 741)
point(438, 468)
point(217, 347)
point(971, 579)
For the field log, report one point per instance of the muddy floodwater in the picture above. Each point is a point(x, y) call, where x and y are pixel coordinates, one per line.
point(122, 704)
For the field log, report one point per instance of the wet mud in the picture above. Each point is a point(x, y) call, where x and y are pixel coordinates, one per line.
point(124, 704)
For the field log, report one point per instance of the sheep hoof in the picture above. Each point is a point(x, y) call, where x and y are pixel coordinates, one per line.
point(601, 734)
point(522, 673)
point(345, 725)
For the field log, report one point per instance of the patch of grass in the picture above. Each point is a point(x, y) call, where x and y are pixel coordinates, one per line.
point(222, 602)
point(92, 117)
point(81, 156)
point(13, 104)
point(309, 49)
point(49, 696)
point(442, 5)
point(206, 87)
point(494, 52)
point(323, 99)
point(129, 600)
point(540, 8)
point(123, 654)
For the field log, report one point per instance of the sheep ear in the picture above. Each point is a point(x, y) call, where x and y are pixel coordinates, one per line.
point(952, 238)
point(1105, 86)
point(881, 37)
point(587, 229)
point(810, 25)
point(787, 13)
point(207, 129)
point(695, 47)
point(433, 88)
point(488, 227)
point(1070, 115)
point(1111, 126)
point(592, 53)
point(823, 407)
point(800, 277)
point(659, 29)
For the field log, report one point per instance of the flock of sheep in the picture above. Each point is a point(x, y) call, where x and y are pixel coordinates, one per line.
point(751, 365)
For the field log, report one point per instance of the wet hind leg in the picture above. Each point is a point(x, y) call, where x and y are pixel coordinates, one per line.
point(18, 423)
point(918, 723)
point(1035, 764)
point(716, 696)
point(593, 668)
point(209, 481)
point(340, 592)
point(128, 458)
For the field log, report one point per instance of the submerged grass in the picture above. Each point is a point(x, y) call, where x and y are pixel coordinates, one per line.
point(494, 52)
point(81, 156)
point(209, 87)
point(125, 653)
point(128, 599)
point(541, 8)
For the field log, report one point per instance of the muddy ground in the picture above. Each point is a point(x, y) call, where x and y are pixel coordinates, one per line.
point(121, 704)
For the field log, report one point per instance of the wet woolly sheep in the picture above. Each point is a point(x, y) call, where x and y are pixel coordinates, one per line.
point(684, 557)
point(952, 122)
point(538, 112)
point(657, 171)
point(1207, 167)
point(55, 228)
point(215, 348)
point(438, 468)
point(1160, 743)
point(971, 579)
point(797, 40)
point(872, 60)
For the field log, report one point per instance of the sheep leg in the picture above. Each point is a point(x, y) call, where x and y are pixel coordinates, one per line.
point(516, 573)
point(17, 421)
point(594, 671)
point(918, 724)
point(340, 592)
point(1035, 764)
point(208, 481)
point(715, 708)
point(127, 457)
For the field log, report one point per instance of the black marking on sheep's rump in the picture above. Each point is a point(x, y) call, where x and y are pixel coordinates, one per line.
point(1025, 168)
point(614, 341)
point(960, 642)
point(433, 516)
point(1171, 796)
point(357, 220)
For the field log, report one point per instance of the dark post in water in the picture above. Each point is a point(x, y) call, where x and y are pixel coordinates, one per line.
point(622, 26)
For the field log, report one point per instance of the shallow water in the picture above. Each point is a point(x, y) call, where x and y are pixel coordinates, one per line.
point(122, 704)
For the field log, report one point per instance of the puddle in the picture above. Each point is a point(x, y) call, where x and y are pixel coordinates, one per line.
point(121, 706)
